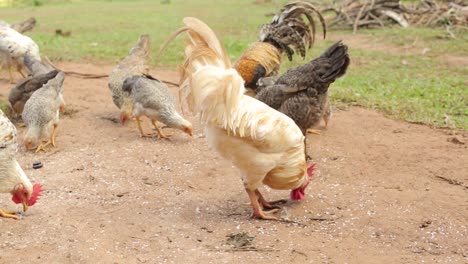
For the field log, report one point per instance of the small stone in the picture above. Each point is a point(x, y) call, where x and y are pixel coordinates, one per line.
point(37, 165)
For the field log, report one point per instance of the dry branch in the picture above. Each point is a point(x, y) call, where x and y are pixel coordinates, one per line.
point(355, 14)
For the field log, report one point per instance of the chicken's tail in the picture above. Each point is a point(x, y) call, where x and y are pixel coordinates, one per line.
point(24, 26)
point(57, 82)
point(338, 57)
point(142, 47)
point(208, 83)
point(288, 28)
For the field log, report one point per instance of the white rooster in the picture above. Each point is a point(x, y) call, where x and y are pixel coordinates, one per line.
point(266, 146)
point(13, 180)
point(13, 47)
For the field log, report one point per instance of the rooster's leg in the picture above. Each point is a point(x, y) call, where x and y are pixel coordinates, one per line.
point(51, 141)
point(305, 150)
point(11, 75)
point(54, 134)
point(142, 134)
point(257, 210)
point(8, 214)
point(42, 146)
point(313, 131)
point(21, 72)
point(326, 118)
point(269, 205)
point(161, 134)
point(19, 68)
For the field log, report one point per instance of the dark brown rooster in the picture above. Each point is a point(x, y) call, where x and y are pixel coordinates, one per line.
point(287, 32)
point(302, 92)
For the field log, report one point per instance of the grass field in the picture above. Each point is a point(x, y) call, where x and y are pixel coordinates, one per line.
point(430, 88)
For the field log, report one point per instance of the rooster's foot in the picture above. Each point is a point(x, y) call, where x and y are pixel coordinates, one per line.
point(269, 205)
point(43, 145)
point(313, 131)
point(8, 214)
point(264, 215)
point(256, 199)
point(143, 135)
point(160, 133)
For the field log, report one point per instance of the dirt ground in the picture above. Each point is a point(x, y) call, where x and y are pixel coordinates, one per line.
point(385, 192)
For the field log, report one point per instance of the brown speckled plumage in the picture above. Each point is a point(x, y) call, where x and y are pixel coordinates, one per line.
point(135, 63)
point(41, 111)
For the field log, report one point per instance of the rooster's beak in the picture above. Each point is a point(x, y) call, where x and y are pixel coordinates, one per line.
point(25, 206)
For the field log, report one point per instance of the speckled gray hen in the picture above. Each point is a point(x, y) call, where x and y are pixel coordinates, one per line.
point(41, 113)
point(302, 92)
point(136, 63)
point(21, 92)
point(153, 99)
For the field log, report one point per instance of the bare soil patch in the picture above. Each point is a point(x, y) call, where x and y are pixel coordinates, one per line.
point(385, 192)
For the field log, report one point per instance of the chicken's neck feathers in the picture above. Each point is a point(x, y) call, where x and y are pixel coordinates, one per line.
point(12, 174)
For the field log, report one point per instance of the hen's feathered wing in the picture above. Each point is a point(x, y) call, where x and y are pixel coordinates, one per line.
point(15, 45)
point(22, 91)
point(8, 143)
point(10, 171)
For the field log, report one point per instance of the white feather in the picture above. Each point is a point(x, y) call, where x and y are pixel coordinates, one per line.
point(14, 45)
point(10, 171)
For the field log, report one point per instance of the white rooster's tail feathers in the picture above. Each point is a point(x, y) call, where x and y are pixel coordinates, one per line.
point(216, 94)
point(208, 83)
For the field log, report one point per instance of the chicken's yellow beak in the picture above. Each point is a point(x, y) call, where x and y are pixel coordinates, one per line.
point(25, 206)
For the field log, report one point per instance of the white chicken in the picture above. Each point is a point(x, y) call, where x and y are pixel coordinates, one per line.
point(266, 146)
point(13, 47)
point(13, 180)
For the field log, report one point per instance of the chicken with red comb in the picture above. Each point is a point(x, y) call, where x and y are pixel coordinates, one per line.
point(13, 180)
point(265, 145)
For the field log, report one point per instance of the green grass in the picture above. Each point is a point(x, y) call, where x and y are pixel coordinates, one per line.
point(419, 91)
point(408, 85)
point(3, 106)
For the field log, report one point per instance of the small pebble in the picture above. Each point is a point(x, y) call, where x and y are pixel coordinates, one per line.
point(37, 165)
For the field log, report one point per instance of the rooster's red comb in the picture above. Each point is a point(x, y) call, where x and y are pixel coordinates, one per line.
point(36, 195)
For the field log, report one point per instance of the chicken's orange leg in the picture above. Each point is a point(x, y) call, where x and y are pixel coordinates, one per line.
point(54, 134)
point(8, 214)
point(269, 205)
point(161, 134)
point(20, 71)
point(142, 134)
point(11, 75)
point(42, 146)
point(257, 210)
point(313, 131)
point(51, 141)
